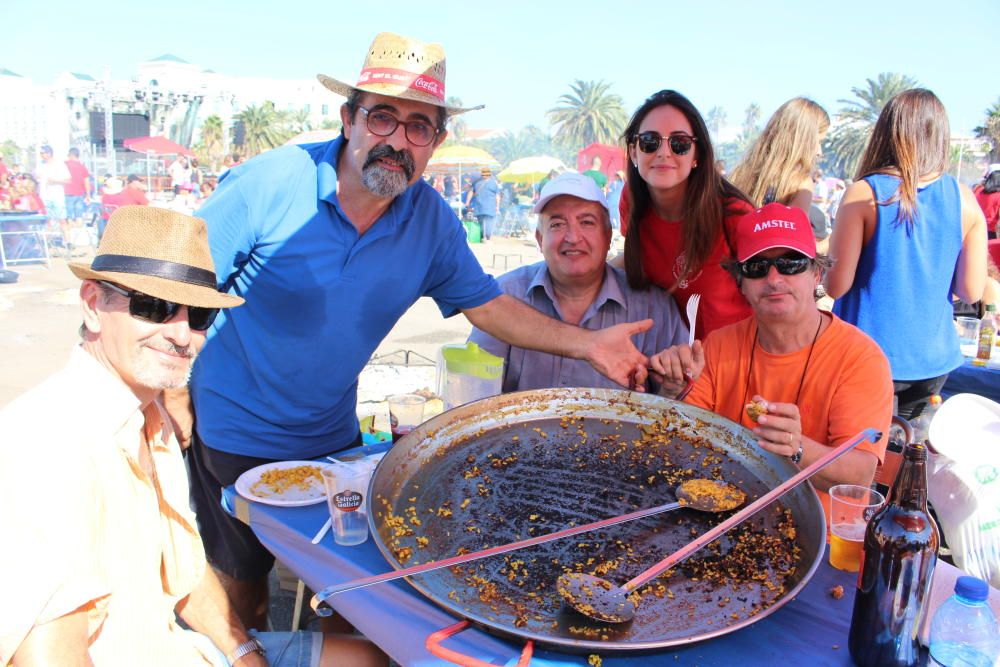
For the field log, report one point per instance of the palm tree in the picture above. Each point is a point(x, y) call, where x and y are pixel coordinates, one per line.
point(211, 145)
point(298, 122)
point(528, 141)
point(456, 124)
point(990, 131)
point(751, 121)
point(262, 128)
point(846, 142)
point(587, 114)
point(715, 119)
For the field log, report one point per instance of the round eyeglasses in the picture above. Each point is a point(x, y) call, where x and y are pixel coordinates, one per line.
point(383, 123)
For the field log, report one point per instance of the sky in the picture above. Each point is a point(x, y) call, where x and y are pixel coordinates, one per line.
point(517, 57)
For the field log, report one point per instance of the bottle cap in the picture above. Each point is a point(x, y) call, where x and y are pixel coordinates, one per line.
point(972, 588)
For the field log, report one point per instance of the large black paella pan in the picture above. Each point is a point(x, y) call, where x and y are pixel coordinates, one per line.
point(525, 464)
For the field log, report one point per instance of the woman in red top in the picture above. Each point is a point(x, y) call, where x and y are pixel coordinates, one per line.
point(988, 195)
point(678, 213)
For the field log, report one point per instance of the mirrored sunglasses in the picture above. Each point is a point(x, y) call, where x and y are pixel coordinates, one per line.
point(787, 265)
point(156, 310)
point(649, 142)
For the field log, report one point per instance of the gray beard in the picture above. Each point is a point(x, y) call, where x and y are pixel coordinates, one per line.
point(382, 182)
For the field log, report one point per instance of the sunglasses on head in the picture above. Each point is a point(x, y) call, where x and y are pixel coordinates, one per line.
point(649, 142)
point(789, 264)
point(156, 310)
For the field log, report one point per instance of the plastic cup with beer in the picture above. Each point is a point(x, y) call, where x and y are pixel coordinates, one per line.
point(346, 491)
point(851, 507)
point(406, 412)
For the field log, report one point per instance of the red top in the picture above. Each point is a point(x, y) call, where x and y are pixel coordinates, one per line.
point(990, 203)
point(78, 175)
point(29, 202)
point(134, 197)
point(722, 303)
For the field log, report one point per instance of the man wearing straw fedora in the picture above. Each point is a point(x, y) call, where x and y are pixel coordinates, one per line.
point(100, 546)
point(331, 243)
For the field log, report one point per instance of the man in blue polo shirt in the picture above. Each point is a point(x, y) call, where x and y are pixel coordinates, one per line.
point(330, 244)
point(576, 284)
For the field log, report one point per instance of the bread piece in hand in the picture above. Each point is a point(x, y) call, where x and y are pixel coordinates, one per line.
point(755, 409)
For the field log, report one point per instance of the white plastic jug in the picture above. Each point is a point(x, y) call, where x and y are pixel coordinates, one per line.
point(466, 373)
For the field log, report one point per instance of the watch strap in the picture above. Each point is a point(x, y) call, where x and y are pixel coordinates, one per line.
point(251, 645)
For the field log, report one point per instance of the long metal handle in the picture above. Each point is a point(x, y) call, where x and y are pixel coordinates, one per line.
point(870, 434)
point(319, 601)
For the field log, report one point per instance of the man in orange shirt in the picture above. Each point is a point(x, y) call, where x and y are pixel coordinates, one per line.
point(820, 379)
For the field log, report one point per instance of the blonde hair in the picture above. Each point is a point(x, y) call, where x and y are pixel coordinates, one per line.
point(782, 157)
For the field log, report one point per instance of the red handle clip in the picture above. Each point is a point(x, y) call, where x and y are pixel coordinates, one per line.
point(433, 644)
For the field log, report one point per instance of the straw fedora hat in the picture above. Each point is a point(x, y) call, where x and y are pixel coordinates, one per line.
point(157, 252)
point(398, 66)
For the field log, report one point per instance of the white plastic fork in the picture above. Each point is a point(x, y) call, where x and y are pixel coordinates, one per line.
point(692, 313)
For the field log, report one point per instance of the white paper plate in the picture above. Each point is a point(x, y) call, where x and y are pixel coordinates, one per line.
point(966, 428)
point(248, 487)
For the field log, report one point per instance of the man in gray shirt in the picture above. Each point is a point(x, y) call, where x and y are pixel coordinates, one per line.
point(575, 284)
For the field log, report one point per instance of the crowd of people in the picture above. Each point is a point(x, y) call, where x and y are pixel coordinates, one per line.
point(276, 295)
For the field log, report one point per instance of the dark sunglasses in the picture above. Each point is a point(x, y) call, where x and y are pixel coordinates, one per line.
point(649, 142)
point(156, 310)
point(787, 265)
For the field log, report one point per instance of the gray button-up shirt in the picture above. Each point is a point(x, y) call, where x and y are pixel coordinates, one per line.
point(616, 303)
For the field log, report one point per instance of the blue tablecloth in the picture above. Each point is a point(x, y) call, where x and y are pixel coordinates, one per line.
point(811, 629)
point(969, 379)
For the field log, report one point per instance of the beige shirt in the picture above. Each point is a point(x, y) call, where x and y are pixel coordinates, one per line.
point(82, 525)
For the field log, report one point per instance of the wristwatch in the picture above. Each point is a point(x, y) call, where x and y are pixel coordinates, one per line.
point(249, 646)
point(797, 456)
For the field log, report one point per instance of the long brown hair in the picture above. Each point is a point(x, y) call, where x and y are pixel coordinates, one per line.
point(707, 197)
point(910, 140)
point(783, 155)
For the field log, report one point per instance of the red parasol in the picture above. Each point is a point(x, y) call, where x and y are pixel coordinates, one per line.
point(612, 158)
point(156, 146)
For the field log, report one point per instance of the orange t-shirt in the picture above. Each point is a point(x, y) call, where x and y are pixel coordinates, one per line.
point(721, 302)
point(847, 386)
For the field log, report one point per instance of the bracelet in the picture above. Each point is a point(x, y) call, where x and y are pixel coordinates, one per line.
point(249, 646)
point(797, 456)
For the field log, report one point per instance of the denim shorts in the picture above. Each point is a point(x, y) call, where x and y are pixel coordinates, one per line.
point(75, 207)
point(283, 649)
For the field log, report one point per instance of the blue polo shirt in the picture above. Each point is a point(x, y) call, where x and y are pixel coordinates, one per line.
point(278, 376)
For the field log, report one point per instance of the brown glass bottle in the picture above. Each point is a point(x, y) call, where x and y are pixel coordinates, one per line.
point(900, 551)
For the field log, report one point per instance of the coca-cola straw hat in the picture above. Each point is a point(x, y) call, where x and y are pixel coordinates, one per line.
point(160, 253)
point(398, 66)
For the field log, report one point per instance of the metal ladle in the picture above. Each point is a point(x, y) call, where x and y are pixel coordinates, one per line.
point(603, 601)
point(691, 494)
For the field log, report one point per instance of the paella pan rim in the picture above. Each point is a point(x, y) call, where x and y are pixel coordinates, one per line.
point(628, 406)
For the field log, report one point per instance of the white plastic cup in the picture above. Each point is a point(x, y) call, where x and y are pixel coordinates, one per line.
point(851, 507)
point(346, 491)
point(968, 330)
point(406, 412)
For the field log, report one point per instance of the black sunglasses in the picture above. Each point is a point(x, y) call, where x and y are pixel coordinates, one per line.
point(649, 142)
point(156, 310)
point(787, 265)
